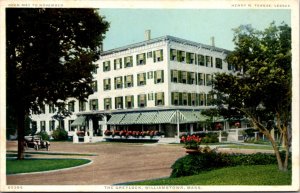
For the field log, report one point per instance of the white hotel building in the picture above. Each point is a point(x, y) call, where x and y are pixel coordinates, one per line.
point(159, 84)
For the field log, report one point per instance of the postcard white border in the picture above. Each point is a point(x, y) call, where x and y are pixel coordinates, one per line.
point(293, 5)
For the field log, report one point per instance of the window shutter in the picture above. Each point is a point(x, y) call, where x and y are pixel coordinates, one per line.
point(159, 74)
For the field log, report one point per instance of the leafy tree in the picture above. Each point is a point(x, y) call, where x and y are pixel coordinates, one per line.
point(261, 87)
point(49, 55)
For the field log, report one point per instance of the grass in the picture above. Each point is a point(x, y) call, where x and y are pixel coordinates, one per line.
point(240, 175)
point(249, 147)
point(14, 166)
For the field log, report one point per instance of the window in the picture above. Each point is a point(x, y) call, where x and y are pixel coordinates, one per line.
point(118, 82)
point(51, 108)
point(93, 104)
point(194, 99)
point(208, 79)
point(158, 76)
point(71, 106)
point(175, 98)
point(118, 102)
point(34, 125)
point(94, 71)
point(180, 56)
point(185, 99)
point(173, 55)
point(230, 67)
point(141, 79)
point(106, 84)
point(201, 80)
point(219, 63)
point(149, 55)
point(118, 63)
point(106, 66)
point(201, 60)
point(128, 61)
point(191, 77)
point(150, 75)
point(43, 125)
point(142, 100)
point(51, 125)
point(208, 60)
point(183, 77)
point(150, 96)
point(129, 102)
point(202, 99)
point(82, 105)
point(128, 81)
point(107, 103)
point(159, 99)
point(94, 86)
point(209, 98)
point(190, 58)
point(174, 76)
point(158, 55)
point(71, 128)
point(141, 59)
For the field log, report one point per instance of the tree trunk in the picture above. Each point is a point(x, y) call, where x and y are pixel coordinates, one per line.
point(21, 132)
point(276, 151)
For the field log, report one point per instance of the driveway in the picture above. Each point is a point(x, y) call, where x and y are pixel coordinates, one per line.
point(114, 163)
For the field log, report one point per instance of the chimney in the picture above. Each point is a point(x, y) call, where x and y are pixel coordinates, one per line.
point(212, 41)
point(101, 47)
point(148, 34)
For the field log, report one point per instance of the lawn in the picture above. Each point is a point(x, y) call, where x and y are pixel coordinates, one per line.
point(240, 175)
point(265, 147)
point(14, 166)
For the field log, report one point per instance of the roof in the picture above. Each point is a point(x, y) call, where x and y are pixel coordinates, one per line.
point(164, 38)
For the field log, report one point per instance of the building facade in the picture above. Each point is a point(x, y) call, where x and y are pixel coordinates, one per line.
point(158, 84)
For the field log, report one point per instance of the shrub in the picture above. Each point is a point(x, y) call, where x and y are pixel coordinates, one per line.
point(60, 134)
point(208, 160)
point(196, 163)
point(210, 138)
point(44, 135)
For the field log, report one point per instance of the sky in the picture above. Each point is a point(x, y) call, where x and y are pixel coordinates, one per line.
point(127, 26)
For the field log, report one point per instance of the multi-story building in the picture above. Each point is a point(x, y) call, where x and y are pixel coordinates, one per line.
point(158, 84)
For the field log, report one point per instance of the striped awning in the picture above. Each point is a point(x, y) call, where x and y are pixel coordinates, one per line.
point(116, 119)
point(79, 121)
point(130, 118)
point(189, 117)
point(146, 118)
point(201, 118)
point(164, 117)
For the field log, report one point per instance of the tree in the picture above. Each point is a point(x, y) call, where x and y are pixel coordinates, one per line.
point(50, 56)
point(261, 87)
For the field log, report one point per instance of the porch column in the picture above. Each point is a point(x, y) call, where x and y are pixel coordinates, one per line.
point(91, 127)
point(178, 126)
point(191, 128)
point(104, 125)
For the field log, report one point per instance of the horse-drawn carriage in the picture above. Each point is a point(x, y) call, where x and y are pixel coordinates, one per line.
point(36, 142)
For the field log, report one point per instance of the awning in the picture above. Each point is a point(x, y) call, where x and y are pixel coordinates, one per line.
point(130, 118)
point(201, 118)
point(115, 119)
point(79, 121)
point(189, 117)
point(146, 118)
point(164, 117)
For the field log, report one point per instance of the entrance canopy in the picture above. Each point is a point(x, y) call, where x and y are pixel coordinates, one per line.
point(79, 121)
point(156, 117)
